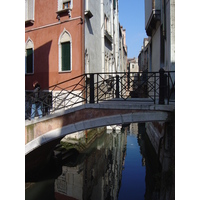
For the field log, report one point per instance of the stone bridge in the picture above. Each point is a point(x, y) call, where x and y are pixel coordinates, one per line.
point(122, 99)
point(87, 116)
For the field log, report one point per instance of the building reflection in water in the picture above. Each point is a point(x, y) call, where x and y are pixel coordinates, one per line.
point(99, 175)
point(99, 172)
point(159, 183)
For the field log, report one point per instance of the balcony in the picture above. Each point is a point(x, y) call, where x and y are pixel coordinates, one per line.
point(108, 36)
point(152, 15)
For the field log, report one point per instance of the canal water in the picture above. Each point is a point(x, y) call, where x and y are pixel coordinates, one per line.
point(115, 166)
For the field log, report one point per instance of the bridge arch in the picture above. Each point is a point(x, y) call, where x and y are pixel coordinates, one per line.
point(97, 115)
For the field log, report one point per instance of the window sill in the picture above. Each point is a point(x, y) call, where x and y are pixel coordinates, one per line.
point(64, 11)
point(68, 71)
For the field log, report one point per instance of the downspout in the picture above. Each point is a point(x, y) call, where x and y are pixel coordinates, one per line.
point(102, 37)
point(83, 47)
point(83, 37)
point(83, 52)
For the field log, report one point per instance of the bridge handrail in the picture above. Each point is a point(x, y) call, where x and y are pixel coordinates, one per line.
point(96, 87)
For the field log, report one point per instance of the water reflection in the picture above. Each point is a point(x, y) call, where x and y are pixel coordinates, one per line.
point(133, 175)
point(99, 175)
point(117, 165)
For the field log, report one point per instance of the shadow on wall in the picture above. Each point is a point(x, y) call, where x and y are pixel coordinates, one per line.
point(89, 26)
point(41, 67)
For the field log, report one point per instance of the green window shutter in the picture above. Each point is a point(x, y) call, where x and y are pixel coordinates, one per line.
point(29, 61)
point(114, 4)
point(66, 56)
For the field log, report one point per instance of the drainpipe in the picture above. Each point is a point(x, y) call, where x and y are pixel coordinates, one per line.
point(83, 47)
point(83, 37)
point(102, 37)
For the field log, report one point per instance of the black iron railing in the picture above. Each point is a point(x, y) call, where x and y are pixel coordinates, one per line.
point(159, 87)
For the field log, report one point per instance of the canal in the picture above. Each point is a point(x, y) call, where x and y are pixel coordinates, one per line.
point(120, 164)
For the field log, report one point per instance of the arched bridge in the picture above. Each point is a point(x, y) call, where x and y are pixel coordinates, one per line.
point(94, 100)
point(88, 116)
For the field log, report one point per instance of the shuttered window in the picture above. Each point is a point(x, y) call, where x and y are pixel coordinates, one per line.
point(65, 52)
point(65, 48)
point(29, 61)
point(114, 4)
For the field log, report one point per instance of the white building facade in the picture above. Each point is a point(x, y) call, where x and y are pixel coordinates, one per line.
point(160, 26)
point(133, 65)
point(102, 37)
point(122, 50)
point(93, 36)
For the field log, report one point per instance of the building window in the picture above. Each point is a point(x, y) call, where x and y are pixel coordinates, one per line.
point(66, 4)
point(114, 4)
point(29, 10)
point(29, 61)
point(29, 57)
point(65, 52)
point(65, 56)
point(64, 7)
point(107, 24)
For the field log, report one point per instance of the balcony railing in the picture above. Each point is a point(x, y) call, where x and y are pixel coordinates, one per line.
point(152, 14)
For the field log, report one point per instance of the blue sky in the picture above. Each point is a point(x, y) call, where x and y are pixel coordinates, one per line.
point(132, 18)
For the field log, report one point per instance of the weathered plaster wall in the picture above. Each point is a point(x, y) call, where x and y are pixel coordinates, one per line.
point(93, 38)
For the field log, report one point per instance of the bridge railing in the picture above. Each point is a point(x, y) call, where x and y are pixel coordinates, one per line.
point(152, 85)
point(64, 95)
point(159, 87)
